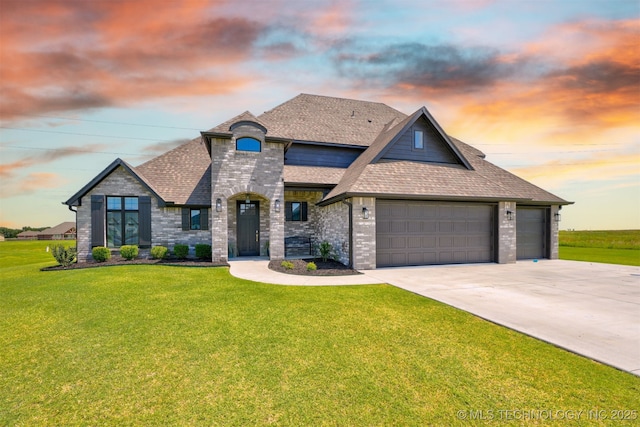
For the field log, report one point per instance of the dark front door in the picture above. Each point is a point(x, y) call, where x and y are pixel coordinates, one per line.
point(248, 228)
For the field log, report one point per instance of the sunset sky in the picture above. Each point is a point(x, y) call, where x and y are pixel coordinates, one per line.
point(549, 90)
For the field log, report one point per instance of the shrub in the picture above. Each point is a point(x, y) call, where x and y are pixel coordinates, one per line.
point(288, 265)
point(325, 250)
point(64, 255)
point(159, 252)
point(100, 254)
point(203, 251)
point(129, 252)
point(312, 266)
point(181, 251)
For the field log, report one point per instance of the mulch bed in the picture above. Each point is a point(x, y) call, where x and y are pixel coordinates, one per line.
point(325, 268)
point(118, 260)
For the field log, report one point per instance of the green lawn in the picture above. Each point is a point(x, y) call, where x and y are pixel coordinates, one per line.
point(158, 345)
point(612, 246)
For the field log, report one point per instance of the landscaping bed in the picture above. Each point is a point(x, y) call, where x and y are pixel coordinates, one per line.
point(324, 268)
point(118, 260)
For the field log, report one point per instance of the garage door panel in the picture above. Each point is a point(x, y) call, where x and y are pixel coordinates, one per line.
point(460, 227)
point(445, 227)
point(433, 233)
point(398, 242)
point(398, 259)
point(429, 226)
point(531, 225)
point(398, 226)
point(429, 242)
point(414, 242)
point(414, 226)
point(415, 258)
point(383, 243)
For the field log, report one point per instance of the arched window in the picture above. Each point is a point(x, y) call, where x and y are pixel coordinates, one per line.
point(248, 144)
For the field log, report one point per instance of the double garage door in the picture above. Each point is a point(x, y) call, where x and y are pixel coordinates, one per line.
point(421, 233)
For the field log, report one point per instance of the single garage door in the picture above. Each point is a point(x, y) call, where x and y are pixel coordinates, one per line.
point(531, 233)
point(420, 233)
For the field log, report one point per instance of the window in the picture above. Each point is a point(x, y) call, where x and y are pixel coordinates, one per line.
point(418, 140)
point(122, 221)
point(248, 144)
point(195, 219)
point(295, 211)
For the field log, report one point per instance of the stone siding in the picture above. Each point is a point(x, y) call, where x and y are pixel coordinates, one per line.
point(236, 173)
point(364, 233)
point(507, 249)
point(554, 228)
point(166, 223)
point(333, 226)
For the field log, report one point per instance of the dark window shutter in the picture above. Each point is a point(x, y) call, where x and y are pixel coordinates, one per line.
point(98, 218)
point(144, 221)
point(303, 209)
point(288, 214)
point(186, 219)
point(204, 219)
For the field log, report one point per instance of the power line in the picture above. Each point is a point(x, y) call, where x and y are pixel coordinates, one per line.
point(87, 134)
point(111, 122)
point(78, 150)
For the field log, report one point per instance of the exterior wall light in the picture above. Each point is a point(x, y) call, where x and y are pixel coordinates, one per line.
point(510, 215)
point(365, 213)
point(218, 205)
point(556, 217)
point(277, 205)
point(247, 200)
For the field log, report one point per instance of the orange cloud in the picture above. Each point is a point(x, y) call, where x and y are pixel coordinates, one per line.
point(97, 54)
point(32, 183)
point(7, 170)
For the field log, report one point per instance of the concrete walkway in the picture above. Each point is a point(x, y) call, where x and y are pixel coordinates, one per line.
point(587, 308)
point(257, 269)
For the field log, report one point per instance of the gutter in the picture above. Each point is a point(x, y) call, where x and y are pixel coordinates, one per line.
point(350, 232)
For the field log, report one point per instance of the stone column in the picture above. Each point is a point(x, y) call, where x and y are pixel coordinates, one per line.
point(507, 245)
point(554, 228)
point(364, 233)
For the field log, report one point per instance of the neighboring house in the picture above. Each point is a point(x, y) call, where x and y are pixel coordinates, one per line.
point(384, 188)
point(28, 235)
point(64, 231)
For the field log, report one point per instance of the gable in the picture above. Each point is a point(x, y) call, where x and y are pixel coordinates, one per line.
point(434, 148)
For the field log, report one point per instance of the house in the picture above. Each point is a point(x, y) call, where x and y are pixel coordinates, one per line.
point(384, 188)
point(28, 235)
point(64, 231)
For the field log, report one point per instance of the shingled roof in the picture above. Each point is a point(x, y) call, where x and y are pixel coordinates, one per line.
point(182, 176)
point(473, 179)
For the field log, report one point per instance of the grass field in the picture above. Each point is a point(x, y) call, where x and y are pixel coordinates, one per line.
point(613, 247)
point(158, 345)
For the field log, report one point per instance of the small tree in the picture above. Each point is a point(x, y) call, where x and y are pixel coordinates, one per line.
point(325, 250)
point(64, 255)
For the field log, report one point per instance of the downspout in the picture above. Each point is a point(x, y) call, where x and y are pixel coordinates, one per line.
point(75, 212)
point(350, 232)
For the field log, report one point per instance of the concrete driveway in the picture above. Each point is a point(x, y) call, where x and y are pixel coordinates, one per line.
point(587, 308)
